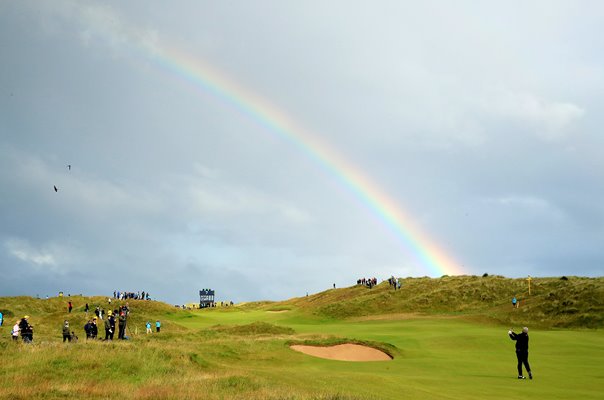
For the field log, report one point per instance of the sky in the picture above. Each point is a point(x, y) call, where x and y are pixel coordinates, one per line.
point(269, 149)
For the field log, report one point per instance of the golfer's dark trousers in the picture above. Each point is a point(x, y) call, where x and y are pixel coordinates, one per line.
point(523, 359)
point(120, 334)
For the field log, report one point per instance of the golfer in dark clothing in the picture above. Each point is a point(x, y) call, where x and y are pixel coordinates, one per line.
point(522, 340)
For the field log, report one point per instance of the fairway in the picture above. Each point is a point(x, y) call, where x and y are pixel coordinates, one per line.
point(243, 352)
point(439, 357)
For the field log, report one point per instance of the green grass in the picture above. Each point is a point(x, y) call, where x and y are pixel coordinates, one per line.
point(243, 352)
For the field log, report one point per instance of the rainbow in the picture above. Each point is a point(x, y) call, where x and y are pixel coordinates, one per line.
point(207, 79)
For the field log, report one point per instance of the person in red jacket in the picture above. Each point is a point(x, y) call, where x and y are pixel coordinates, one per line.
point(522, 340)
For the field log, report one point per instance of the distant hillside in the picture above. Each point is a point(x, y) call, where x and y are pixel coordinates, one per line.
point(554, 302)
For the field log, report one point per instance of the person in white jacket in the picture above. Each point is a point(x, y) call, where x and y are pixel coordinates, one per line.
point(15, 332)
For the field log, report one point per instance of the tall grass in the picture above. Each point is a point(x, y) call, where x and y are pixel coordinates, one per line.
point(242, 352)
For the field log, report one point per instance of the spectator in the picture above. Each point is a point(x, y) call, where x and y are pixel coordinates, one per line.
point(148, 325)
point(27, 331)
point(66, 332)
point(121, 325)
point(88, 329)
point(15, 332)
point(108, 331)
point(69, 306)
point(157, 326)
point(94, 330)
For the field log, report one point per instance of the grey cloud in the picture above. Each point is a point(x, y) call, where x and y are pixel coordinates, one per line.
point(477, 121)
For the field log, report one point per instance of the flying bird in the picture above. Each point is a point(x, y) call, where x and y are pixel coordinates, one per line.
point(56, 190)
point(69, 166)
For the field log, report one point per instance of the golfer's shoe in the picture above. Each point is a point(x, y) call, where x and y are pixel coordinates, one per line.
point(521, 377)
point(530, 376)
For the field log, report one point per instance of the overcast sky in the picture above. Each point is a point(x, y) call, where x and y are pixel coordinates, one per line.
point(481, 121)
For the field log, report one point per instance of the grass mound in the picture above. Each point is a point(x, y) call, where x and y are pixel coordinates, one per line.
point(47, 315)
point(554, 302)
point(254, 329)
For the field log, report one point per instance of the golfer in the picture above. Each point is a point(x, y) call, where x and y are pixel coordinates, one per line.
point(522, 340)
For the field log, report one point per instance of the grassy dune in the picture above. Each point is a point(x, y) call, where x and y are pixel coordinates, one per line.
point(554, 302)
point(447, 351)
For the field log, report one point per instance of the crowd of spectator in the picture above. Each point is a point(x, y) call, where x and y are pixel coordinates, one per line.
point(131, 295)
point(394, 283)
point(369, 282)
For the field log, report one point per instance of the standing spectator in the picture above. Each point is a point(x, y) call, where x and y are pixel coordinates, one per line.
point(97, 311)
point(66, 332)
point(86, 309)
point(1, 319)
point(148, 325)
point(94, 329)
point(522, 340)
point(157, 326)
point(121, 325)
point(111, 319)
point(514, 302)
point(15, 332)
point(27, 332)
point(69, 306)
point(108, 327)
point(88, 329)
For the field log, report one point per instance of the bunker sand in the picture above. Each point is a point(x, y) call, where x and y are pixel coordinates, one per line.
point(344, 352)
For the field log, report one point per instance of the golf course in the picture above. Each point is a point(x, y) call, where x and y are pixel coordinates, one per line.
point(445, 338)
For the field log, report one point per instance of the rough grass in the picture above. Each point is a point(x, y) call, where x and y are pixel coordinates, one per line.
point(554, 302)
point(456, 349)
point(255, 328)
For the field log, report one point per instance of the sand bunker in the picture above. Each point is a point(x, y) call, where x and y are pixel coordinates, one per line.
point(344, 352)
